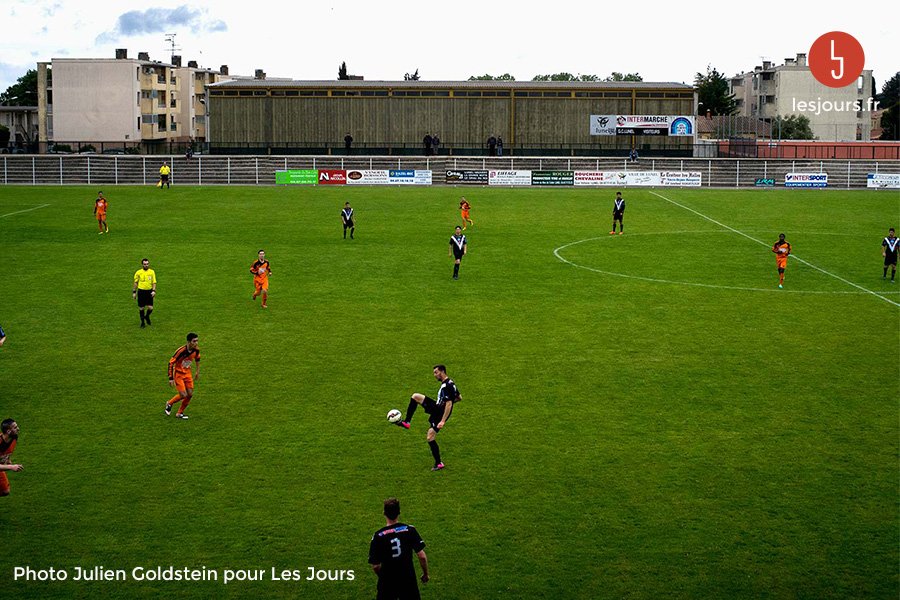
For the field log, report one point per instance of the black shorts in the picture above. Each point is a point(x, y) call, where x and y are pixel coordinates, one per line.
point(349, 224)
point(458, 255)
point(164, 178)
point(145, 297)
point(435, 412)
point(890, 259)
point(618, 216)
point(407, 590)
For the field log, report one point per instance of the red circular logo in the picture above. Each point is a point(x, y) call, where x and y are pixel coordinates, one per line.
point(836, 59)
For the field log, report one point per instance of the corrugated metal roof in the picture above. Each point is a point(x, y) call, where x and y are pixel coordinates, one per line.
point(430, 85)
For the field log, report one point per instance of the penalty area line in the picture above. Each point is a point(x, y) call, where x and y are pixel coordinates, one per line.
point(794, 256)
point(24, 211)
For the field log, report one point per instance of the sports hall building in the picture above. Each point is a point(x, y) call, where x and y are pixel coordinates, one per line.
point(551, 118)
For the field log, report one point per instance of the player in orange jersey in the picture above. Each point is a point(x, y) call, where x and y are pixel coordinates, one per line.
point(782, 250)
point(180, 376)
point(100, 205)
point(464, 207)
point(261, 271)
point(9, 433)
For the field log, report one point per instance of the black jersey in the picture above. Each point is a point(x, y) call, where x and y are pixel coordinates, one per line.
point(458, 244)
point(347, 215)
point(447, 391)
point(393, 547)
point(891, 246)
point(619, 206)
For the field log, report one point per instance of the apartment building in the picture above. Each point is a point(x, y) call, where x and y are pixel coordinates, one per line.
point(121, 100)
point(835, 114)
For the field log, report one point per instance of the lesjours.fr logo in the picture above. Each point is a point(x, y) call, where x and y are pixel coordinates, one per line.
point(836, 59)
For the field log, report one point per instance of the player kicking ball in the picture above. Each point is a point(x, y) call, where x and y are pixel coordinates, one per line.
point(438, 411)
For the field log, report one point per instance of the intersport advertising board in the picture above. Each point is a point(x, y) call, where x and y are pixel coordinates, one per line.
point(806, 180)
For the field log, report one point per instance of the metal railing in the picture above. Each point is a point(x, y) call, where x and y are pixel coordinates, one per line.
point(99, 169)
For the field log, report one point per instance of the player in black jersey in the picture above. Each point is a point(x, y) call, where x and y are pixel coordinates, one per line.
point(618, 214)
point(390, 554)
point(889, 248)
point(458, 249)
point(347, 220)
point(438, 411)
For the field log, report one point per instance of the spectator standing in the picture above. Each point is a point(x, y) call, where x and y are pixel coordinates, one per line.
point(492, 145)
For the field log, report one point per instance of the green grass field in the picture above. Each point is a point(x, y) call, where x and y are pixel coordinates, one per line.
point(643, 416)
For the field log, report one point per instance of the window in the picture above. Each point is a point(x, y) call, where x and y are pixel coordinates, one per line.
point(148, 119)
point(260, 93)
point(161, 122)
point(172, 125)
point(767, 76)
point(245, 93)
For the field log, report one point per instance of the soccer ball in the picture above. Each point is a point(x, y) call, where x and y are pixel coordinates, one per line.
point(394, 416)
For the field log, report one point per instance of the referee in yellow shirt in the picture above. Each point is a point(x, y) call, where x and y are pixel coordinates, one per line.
point(144, 289)
point(164, 172)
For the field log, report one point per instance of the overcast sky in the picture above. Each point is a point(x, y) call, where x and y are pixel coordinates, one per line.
point(443, 40)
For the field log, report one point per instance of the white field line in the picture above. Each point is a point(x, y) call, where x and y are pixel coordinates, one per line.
point(795, 257)
point(24, 211)
point(557, 254)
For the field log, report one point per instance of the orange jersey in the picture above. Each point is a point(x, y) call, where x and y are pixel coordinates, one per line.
point(100, 207)
point(6, 449)
point(781, 250)
point(180, 363)
point(464, 206)
point(261, 271)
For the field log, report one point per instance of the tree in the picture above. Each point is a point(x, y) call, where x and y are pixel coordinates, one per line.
point(342, 71)
point(488, 77)
point(890, 92)
point(565, 77)
point(22, 93)
point(413, 77)
point(616, 76)
point(555, 77)
point(794, 127)
point(712, 93)
point(889, 100)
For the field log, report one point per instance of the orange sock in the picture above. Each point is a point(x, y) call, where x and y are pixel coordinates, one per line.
point(184, 405)
point(174, 399)
point(265, 298)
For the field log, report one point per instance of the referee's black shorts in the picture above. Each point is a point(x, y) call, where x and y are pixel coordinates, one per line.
point(145, 297)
